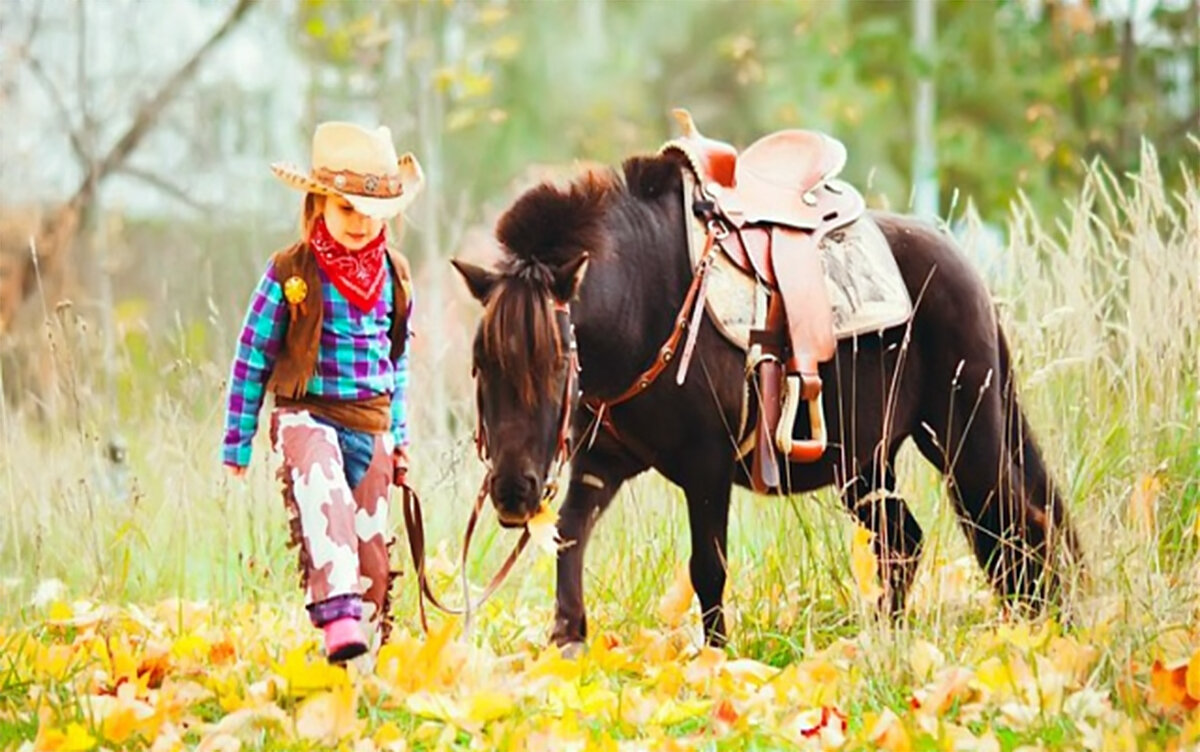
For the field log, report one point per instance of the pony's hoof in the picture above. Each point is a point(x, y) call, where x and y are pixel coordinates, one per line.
point(573, 650)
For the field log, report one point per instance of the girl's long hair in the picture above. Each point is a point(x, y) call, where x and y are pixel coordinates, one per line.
point(314, 205)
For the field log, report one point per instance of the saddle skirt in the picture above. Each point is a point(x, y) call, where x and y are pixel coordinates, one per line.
point(862, 280)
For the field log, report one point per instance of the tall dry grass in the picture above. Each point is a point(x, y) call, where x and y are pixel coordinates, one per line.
point(1101, 306)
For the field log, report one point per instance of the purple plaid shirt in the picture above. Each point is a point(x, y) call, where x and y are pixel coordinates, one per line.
point(353, 360)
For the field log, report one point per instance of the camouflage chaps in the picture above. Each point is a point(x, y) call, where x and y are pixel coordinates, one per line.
point(335, 487)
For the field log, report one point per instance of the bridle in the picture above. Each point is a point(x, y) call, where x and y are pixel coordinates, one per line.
point(562, 451)
point(414, 520)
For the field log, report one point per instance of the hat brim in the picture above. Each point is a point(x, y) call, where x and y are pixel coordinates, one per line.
point(378, 208)
point(412, 180)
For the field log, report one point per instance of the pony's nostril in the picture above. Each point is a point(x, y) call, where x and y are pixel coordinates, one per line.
point(498, 488)
point(528, 482)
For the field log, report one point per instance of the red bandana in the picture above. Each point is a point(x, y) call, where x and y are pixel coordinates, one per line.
point(356, 274)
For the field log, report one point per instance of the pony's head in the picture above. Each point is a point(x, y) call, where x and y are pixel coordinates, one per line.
point(523, 354)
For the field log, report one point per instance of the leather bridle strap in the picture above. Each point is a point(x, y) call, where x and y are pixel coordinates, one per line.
point(562, 452)
point(683, 321)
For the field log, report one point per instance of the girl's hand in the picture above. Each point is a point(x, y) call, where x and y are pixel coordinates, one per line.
point(235, 471)
point(399, 466)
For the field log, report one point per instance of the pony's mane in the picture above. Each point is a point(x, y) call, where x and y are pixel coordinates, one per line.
point(547, 227)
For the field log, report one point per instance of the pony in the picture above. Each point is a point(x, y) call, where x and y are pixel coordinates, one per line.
point(609, 252)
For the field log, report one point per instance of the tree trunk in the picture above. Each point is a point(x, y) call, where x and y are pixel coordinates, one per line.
point(430, 120)
point(924, 168)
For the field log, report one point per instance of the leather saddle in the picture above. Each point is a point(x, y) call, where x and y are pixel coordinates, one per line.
point(774, 202)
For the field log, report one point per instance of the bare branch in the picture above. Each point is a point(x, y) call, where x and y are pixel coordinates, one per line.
point(164, 185)
point(60, 107)
point(81, 81)
point(35, 24)
point(150, 111)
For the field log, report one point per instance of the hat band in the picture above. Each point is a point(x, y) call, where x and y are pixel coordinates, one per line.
point(358, 184)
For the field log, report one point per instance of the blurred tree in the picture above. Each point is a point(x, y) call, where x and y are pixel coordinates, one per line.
point(66, 260)
point(1027, 91)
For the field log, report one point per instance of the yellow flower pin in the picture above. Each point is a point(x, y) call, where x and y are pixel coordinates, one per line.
point(295, 290)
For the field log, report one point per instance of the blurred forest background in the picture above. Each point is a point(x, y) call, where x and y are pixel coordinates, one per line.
point(136, 136)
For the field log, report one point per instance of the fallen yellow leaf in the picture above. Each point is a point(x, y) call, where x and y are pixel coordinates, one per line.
point(192, 647)
point(241, 721)
point(924, 658)
point(949, 686)
point(1193, 676)
point(75, 739)
point(329, 716)
point(304, 674)
point(543, 529)
point(552, 663)
point(1143, 504)
point(489, 704)
point(674, 603)
point(431, 705)
point(864, 564)
point(889, 733)
point(53, 662)
point(994, 677)
point(390, 738)
point(677, 711)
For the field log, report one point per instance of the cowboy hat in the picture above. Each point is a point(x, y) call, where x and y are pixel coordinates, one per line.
point(361, 166)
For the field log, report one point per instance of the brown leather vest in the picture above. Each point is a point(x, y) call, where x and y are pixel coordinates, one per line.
point(297, 359)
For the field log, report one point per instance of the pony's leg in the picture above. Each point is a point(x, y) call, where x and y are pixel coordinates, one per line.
point(596, 476)
point(708, 518)
point(870, 497)
point(1007, 525)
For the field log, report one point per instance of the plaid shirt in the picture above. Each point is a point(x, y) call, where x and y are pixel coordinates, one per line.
point(353, 361)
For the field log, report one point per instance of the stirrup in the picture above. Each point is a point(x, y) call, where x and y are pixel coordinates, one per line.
point(804, 450)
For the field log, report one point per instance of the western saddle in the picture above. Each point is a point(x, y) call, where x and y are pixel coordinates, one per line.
point(769, 208)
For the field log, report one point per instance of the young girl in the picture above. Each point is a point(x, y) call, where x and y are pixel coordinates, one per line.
point(325, 333)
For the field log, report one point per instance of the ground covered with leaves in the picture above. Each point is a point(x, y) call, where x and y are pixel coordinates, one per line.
point(182, 675)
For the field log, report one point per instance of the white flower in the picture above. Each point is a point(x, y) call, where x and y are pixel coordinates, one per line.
point(47, 592)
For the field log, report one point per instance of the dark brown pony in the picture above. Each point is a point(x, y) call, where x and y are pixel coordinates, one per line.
point(615, 248)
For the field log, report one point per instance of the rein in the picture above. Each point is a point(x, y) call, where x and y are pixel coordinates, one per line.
point(414, 522)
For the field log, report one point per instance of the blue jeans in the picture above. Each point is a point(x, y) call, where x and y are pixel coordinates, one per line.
point(358, 447)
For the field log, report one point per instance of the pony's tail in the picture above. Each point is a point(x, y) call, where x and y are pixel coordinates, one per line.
point(1040, 488)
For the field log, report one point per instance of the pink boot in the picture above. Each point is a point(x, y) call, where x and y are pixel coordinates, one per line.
point(343, 640)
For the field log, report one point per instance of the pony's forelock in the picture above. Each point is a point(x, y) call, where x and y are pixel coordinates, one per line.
point(555, 224)
point(547, 227)
point(519, 333)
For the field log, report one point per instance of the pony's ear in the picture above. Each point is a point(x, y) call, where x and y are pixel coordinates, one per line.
point(567, 278)
point(479, 281)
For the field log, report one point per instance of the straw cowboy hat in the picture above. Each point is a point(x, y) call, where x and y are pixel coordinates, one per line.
point(361, 166)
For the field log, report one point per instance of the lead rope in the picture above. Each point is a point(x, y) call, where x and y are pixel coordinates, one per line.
point(414, 521)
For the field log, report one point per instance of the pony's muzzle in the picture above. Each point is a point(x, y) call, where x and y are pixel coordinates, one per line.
point(516, 496)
